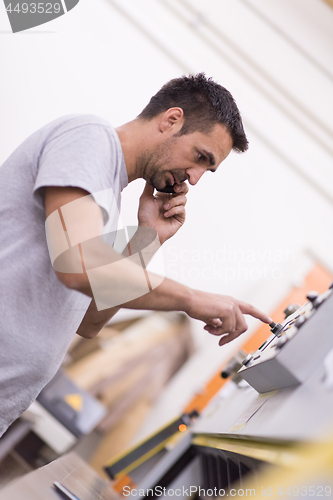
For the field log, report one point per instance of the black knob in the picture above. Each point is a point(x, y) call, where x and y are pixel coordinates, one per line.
point(247, 359)
point(311, 296)
point(225, 374)
point(275, 327)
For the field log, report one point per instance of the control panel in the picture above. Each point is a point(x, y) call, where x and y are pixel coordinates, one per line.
point(296, 347)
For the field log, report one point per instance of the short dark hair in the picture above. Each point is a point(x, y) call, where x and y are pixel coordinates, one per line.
point(204, 102)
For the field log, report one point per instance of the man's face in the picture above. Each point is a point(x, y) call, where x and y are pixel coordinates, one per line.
point(187, 157)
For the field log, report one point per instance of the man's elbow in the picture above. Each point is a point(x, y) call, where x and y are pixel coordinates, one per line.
point(88, 333)
point(73, 281)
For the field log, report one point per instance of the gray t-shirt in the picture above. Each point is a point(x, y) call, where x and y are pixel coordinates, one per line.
point(38, 314)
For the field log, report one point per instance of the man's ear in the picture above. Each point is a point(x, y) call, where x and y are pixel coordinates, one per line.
point(171, 120)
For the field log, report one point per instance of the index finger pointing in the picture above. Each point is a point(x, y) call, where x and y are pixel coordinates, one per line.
point(253, 311)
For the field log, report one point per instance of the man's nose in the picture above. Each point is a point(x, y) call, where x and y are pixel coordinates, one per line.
point(195, 174)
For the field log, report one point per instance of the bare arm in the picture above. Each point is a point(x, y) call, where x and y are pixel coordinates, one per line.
point(94, 320)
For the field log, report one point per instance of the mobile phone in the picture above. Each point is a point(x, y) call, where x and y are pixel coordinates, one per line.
point(167, 189)
point(64, 492)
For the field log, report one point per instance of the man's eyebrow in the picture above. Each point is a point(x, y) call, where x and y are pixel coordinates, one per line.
point(210, 157)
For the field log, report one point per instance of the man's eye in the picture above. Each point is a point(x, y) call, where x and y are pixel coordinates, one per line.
point(201, 157)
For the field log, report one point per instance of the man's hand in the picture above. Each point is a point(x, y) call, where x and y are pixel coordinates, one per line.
point(222, 314)
point(163, 212)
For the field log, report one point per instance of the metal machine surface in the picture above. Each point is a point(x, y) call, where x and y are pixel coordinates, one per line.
point(295, 349)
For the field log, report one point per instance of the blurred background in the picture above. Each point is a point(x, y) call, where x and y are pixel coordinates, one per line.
point(257, 227)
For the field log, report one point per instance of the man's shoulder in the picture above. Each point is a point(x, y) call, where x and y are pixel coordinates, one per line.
point(80, 129)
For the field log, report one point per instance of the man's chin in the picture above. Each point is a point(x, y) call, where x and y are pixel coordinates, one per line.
point(160, 184)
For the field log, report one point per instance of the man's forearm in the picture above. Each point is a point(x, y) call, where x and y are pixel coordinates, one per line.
point(91, 266)
point(94, 320)
point(168, 296)
point(114, 282)
point(145, 241)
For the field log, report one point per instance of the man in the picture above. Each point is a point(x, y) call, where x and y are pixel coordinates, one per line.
point(71, 173)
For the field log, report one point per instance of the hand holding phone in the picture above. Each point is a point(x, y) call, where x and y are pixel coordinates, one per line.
point(167, 189)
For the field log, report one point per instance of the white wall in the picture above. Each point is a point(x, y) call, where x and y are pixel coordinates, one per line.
point(253, 221)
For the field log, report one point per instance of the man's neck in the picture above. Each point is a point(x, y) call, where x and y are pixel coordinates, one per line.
point(135, 137)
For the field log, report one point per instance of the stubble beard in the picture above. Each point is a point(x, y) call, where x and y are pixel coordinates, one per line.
point(151, 165)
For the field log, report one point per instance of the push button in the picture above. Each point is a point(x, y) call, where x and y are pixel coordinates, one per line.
point(247, 360)
point(276, 328)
